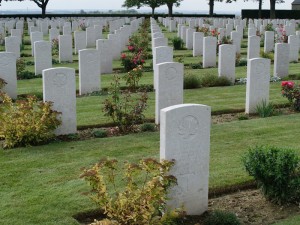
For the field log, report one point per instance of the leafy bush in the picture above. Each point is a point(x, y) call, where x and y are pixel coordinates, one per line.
point(212, 80)
point(239, 61)
point(133, 77)
point(196, 66)
point(191, 81)
point(177, 43)
point(55, 46)
point(125, 109)
point(292, 92)
point(21, 65)
point(2, 83)
point(276, 172)
point(24, 75)
point(26, 122)
point(221, 218)
point(148, 127)
point(100, 133)
point(132, 60)
point(265, 109)
point(144, 192)
point(269, 55)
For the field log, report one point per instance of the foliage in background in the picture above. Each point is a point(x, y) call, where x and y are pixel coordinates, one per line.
point(21, 65)
point(2, 83)
point(221, 218)
point(133, 77)
point(276, 172)
point(143, 196)
point(212, 80)
point(191, 81)
point(292, 92)
point(26, 122)
point(55, 46)
point(177, 43)
point(123, 108)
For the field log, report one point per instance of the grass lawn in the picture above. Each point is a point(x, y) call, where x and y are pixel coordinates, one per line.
point(41, 184)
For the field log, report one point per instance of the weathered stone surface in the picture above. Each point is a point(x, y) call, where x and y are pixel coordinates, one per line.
point(59, 87)
point(185, 137)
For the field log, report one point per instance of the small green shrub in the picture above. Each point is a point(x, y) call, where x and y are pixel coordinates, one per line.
point(212, 80)
point(276, 172)
point(21, 65)
point(191, 81)
point(100, 133)
point(196, 66)
point(243, 117)
point(265, 109)
point(25, 75)
point(177, 43)
point(148, 127)
point(139, 198)
point(26, 122)
point(269, 55)
point(124, 108)
point(2, 83)
point(243, 45)
point(221, 218)
point(29, 63)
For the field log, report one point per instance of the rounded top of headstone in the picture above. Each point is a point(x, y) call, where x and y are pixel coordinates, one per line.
point(296, 2)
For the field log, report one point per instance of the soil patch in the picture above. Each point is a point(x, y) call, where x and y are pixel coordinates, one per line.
point(249, 206)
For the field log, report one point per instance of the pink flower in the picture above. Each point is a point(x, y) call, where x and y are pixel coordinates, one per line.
point(123, 56)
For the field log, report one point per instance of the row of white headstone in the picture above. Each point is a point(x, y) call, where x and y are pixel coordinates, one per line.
point(58, 82)
point(185, 128)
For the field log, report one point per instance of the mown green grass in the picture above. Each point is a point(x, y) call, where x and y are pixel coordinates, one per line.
point(41, 185)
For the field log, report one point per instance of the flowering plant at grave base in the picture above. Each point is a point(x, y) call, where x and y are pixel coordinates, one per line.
point(214, 33)
point(132, 60)
point(292, 92)
point(204, 30)
point(1, 39)
point(55, 46)
point(280, 36)
point(82, 26)
point(133, 77)
point(269, 27)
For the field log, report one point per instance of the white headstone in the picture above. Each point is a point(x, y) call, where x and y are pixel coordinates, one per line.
point(90, 37)
point(35, 36)
point(42, 56)
point(293, 40)
point(89, 71)
point(12, 45)
point(169, 89)
point(65, 48)
point(236, 41)
point(226, 64)
point(161, 55)
point(258, 83)
point(198, 44)
point(269, 41)
point(253, 47)
point(104, 47)
point(185, 137)
point(8, 72)
point(209, 52)
point(59, 87)
point(80, 40)
point(189, 38)
point(281, 60)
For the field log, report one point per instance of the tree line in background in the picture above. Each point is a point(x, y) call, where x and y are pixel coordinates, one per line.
point(153, 4)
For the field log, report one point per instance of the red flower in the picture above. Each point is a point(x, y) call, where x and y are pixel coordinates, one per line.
point(123, 55)
point(143, 61)
point(131, 48)
point(289, 84)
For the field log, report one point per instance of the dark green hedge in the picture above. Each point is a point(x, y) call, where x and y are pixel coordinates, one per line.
point(111, 15)
point(280, 14)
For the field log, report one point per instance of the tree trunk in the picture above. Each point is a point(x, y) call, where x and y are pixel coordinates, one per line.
point(211, 8)
point(170, 7)
point(272, 9)
point(153, 9)
point(259, 9)
point(44, 11)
